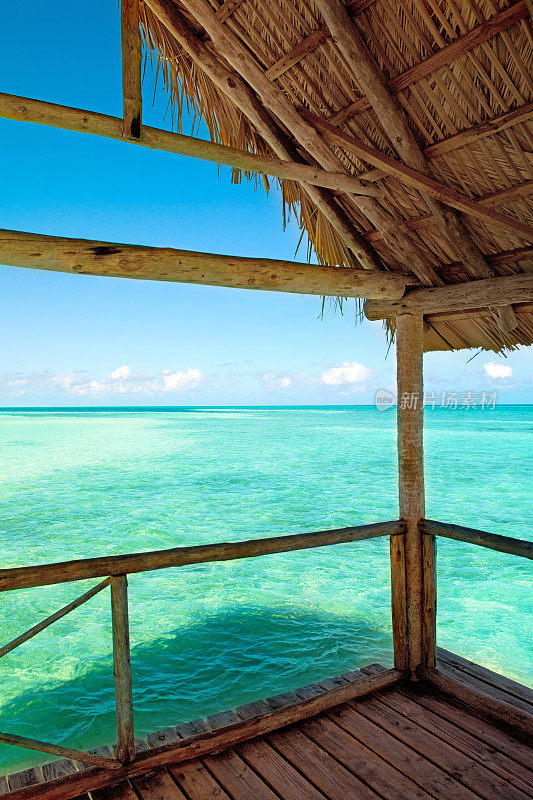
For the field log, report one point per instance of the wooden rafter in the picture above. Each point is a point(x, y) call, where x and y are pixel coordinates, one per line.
point(482, 33)
point(110, 259)
point(131, 68)
point(394, 123)
point(272, 98)
point(501, 291)
point(75, 119)
point(231, 83)
point(415, 179)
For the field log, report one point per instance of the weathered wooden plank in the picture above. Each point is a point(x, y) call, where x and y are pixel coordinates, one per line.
point(56, 769)
point(437, 750)
point(166, 736)
point(237, 778)
point(391, 749)
point(158, 785)
point(509, 771)
point(458, 297)
point(24, 637)
point(277, 772)
point(3, 785)
point(131, 68)
point(196, 727)
point(122, 791)
point(25, 778)
point(504, 544)
point(499, 740)
point(46, 574)
point(208, 742)
point(197, 782)
point(466, 691)
point(377, 773)
point(122, 668)
point(334, 780)
point(501, 682)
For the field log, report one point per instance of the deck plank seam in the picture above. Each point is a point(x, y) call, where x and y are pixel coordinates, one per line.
point(451, 742)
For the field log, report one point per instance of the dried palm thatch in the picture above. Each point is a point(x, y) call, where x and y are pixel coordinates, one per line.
point(460, 71)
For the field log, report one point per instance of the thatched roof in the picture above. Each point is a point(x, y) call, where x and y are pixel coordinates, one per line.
point(452, 66)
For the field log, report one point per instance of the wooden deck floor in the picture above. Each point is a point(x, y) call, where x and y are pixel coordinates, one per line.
point(397, 744)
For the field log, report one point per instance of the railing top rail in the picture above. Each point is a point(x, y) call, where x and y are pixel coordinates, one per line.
point(103, 566)
point(504, 544)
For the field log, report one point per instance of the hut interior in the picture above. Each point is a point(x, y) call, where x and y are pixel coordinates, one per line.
point(400, 134)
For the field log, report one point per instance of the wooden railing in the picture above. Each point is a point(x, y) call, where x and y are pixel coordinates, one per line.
point(116, 569)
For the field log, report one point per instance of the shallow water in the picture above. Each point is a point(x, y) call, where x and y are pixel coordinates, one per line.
point(209, 637)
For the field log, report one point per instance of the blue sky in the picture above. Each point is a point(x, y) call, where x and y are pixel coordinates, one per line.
point(79, 340)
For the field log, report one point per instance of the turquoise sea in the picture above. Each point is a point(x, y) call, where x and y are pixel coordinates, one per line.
point(78, 483)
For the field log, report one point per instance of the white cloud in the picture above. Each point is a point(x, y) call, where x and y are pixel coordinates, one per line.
point(120, 373)
point(120, 381)
point(274, 380)
point(180, 381)
point(498, 371)
point(346, 374)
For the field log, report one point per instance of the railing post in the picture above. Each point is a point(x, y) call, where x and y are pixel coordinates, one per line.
point(414, 605)
point(122, 668)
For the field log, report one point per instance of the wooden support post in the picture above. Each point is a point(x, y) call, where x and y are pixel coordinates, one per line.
point(131, 68)
point(122, 668)
point(419, 598)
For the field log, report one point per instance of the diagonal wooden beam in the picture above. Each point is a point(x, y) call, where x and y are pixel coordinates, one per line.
point(395, 125)
point(77, 119)
point(443, 57)
point(113, 260)
point(272, 98)
point(480, 131)
point(415, 179)
point(131, 68)
point(230, 82)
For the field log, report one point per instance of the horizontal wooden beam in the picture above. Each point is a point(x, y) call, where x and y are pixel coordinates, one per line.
point(213, 741)
point(504, 544)
point(66, 571)
point(112, 260)
point(58, 750)
point(416, 179)
point(442, 58)
point(501, 291)
point(480, 702)
point(24, 637)
point(25, 109)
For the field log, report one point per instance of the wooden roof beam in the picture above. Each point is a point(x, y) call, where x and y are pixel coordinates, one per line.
point(394, 123)
point(112, 260)
point(416, 179)
point(230, 82)
point(131, 68)
point(76, 119)
point(491, 292)
point(272, 98)
point(480, 131)
point(443, 57)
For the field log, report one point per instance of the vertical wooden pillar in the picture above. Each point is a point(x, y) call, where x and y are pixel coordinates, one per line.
point(131, 68)
point(414, 592)
point(122, 668)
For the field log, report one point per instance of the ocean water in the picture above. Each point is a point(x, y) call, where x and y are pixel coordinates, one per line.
point(79, 483)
